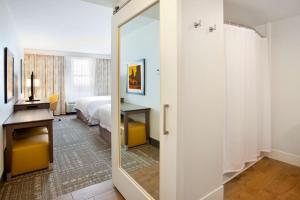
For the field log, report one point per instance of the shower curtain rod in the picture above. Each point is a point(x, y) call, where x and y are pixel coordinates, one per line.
point(244, 26)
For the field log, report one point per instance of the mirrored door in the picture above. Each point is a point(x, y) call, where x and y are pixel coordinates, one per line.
point(139, 87)
point(144, 99)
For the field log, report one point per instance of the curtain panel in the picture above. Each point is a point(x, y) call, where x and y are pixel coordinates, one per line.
point(50, 70)
point(102, 77)
point(248, 104)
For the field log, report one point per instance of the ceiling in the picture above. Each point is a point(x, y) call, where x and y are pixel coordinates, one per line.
point(63, 25)
point(108, 3)
point(259, 12)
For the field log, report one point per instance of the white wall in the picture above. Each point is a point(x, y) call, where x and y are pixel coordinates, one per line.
point(285, 62)
point(201, 100)
point(8, 38)
point(141, 43)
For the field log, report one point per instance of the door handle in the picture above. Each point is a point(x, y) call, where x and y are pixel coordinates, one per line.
point(166, 132)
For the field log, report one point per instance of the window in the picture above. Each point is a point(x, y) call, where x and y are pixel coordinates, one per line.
point(86, 77)
point(80, 77)
point(82, 72)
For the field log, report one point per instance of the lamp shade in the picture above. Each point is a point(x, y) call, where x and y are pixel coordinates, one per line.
point(36, 83)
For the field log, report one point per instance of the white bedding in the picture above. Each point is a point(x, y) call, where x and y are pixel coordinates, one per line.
point(89, 105)
point(103, 116)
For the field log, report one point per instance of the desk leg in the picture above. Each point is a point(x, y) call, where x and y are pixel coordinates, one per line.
point(126, 129)
point(8, 153)
point(147, 120)
point(50, 136)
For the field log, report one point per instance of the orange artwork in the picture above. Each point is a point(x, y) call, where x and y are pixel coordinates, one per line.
point(136, 77)
point(134, 72)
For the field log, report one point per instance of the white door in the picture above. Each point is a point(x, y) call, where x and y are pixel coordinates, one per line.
point(129, 188)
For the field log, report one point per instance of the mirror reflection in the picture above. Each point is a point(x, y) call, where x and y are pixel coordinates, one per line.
point(140, 99)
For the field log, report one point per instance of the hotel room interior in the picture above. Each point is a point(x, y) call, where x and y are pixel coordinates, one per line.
point(105, 101)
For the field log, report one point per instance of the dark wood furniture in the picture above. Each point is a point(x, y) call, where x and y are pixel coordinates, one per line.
point(131, 109)
point(25, 105)
point(26, 119)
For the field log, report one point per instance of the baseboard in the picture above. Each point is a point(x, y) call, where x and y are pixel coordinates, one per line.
point(282, 156)
point(216, 194)
point(154, 142)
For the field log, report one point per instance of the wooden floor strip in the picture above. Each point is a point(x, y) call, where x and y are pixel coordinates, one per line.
point(267, 180)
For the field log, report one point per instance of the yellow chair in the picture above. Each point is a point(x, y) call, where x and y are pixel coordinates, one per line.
point(53, 103)
point(30, 150)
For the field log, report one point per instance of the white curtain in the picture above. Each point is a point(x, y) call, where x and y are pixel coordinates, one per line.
point(50, 72)
point(102, 77)
point(86, 77)
point(247, 131)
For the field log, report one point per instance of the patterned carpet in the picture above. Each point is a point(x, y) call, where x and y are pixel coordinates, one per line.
point(139, 157)
point(81, 158)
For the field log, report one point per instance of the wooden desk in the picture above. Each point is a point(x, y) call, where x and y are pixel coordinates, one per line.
point(25, 105)
point(26, 119)
point(130, 109)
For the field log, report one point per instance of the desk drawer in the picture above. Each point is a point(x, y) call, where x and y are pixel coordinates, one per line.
point(32, 107)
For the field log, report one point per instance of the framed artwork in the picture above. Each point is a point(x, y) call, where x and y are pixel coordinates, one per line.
point(8, 75)
point(136, 77)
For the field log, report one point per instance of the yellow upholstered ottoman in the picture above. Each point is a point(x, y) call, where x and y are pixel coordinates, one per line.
point(136, 134)
point(30, 150)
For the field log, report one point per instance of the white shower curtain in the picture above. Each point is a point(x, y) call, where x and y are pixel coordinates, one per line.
point(247, 98)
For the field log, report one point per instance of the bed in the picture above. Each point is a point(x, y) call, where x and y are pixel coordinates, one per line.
point(103, 117)
point(87, 106)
